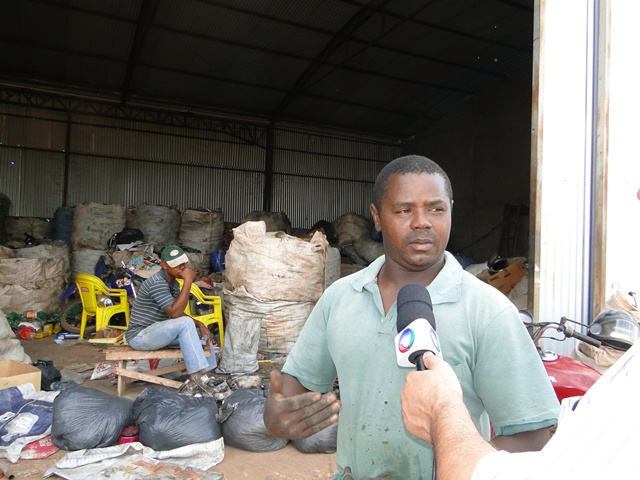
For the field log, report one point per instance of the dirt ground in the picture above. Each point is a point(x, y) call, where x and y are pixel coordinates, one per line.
point(285, 464)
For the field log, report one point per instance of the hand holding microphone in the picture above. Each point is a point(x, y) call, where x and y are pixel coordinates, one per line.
point(416, 335)
point(416, 327)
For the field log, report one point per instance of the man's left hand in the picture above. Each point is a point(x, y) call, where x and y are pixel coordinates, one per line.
point(202, 328)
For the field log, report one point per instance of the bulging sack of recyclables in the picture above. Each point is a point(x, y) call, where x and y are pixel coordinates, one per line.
point(88, 418)
point(167, 420)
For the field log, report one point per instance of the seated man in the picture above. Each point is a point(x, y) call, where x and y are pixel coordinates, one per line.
point(158, 319)
point(598, 438)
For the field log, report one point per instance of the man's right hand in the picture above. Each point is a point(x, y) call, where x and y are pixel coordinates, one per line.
point(428, 393)
point(298, 416)
point(187, 274)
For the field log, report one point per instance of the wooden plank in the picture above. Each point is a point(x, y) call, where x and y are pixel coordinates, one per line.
point(176, 367)
point(121, 379)
point(123, 372)
point(128, 353)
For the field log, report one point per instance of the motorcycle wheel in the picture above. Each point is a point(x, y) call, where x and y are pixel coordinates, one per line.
point(71, 316)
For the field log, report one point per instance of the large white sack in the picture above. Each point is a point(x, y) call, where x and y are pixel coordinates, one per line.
point(84, 261)
point(276, 266)
point(332, 269)
point(253, 326)
point(10, 346)
point(241, 334)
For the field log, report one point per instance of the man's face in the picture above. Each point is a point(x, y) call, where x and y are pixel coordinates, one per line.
point(415, 220)
point(174, 271)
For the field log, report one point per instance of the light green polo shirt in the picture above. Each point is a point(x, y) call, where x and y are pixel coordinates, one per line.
point(482, 337)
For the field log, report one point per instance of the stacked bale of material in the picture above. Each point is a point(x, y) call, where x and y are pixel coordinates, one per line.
point(272, 283)
point(274, 221)
point(33, 278)
point(203, 230)
point(93, 225)
point(131, 214)
point(18, 227)
point(355, 240)
point(159, 224)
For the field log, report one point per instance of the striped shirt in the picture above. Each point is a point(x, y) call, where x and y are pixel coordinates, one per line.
point(154, 297)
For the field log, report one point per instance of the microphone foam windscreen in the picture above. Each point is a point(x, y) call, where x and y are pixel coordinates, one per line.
point(414, 302)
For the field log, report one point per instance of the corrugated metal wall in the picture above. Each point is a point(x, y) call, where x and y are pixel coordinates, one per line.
point(317, 173)
point(320, 174)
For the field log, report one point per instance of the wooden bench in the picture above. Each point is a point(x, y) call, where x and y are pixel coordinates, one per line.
point(123, 354)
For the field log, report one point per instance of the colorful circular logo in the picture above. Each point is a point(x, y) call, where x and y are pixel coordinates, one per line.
point(406, 340)
point(435, 339)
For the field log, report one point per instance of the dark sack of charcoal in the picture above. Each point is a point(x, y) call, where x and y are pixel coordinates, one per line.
point(325, 441)
point(167, 420)
point(88, 418)
point(242, 424)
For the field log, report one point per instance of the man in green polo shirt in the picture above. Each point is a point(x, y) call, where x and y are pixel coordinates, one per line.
point(350, 335)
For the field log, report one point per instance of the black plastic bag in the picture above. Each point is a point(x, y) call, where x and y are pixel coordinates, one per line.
point(325, 441)
point(167, 420)
point(49, 375)
point(242, 424)
point(88, 418)
point(127, 235)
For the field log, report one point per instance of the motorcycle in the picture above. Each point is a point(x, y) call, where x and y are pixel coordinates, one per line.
point(569, 377)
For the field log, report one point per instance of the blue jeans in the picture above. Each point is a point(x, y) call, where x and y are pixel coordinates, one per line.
point(174, 332)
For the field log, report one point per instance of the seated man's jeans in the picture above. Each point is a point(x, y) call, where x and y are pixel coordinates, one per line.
point(180, 331)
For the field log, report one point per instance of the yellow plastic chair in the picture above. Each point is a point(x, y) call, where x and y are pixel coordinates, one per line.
point(91, 288)
point(208, 318)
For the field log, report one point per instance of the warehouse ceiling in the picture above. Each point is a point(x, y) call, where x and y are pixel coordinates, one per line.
point(387, 67)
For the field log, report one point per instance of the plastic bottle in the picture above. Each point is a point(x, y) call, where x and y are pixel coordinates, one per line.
point(27, 333)
point(56, 386)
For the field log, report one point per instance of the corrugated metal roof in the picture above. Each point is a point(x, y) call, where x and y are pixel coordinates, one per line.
point(387, 67)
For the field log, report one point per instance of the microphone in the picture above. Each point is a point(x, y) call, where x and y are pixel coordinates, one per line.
point(416, 327)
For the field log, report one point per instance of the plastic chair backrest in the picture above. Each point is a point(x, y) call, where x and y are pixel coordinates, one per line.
point(89, 288)
point(207, 318)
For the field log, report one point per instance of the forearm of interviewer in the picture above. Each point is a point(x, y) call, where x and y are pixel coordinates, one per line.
point(433, 410)
point(459, 447)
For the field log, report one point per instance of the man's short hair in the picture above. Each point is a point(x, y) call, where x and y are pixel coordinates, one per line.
point(407, 164)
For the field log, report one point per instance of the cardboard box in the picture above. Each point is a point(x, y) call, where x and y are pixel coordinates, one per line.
point(14, 373)
point(507, 278)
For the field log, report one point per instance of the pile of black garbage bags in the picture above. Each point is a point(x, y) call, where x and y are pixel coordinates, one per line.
point(85, 418)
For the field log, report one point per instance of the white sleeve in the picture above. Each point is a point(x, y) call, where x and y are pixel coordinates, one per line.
point(506, 466)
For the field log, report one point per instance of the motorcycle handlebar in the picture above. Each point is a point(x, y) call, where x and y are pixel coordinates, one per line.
point(570, 332)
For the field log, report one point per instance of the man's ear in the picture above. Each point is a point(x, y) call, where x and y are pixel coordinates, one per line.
point(376, 216)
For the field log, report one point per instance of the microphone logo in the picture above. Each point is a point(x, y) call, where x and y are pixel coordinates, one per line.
point(435, 340)
point(407, 337)
point(414, 340)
